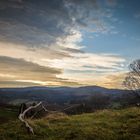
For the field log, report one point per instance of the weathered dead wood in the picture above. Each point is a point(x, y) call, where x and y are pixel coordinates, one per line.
point(22, 117)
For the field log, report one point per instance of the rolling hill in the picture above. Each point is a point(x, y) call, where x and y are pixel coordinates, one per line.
point(55, 94)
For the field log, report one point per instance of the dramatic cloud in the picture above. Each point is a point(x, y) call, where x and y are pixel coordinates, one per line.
point(88, 61)
point(39, 23)
point(32, 54)
point(20, 70)
point(109, 80)
point(27, 70)
point(41, 42)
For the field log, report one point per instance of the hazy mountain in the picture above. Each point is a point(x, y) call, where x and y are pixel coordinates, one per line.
point(54, 94)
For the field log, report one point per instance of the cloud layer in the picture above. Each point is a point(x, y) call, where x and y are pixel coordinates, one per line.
point(19, 70)
point(40, 23)
point(40, 42)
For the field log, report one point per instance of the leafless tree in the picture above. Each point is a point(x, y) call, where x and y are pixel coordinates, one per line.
point(132, 80)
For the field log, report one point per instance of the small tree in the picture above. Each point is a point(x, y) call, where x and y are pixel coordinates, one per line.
point(132, 80)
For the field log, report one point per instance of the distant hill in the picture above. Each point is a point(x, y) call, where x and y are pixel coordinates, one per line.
point(90, 97)
point(54, 94)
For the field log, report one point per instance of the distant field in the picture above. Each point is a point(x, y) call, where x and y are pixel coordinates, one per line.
point(102, 125)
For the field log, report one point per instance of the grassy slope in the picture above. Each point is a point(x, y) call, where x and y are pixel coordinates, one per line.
point(103, 125)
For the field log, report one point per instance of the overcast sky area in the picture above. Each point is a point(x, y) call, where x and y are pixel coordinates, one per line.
point(68, 42)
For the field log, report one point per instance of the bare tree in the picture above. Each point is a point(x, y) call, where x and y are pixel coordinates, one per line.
point(132, 80)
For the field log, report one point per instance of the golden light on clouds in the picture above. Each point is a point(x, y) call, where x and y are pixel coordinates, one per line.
point(109, 80)
point(49, 67)
point(67, 42)
point(62, 63)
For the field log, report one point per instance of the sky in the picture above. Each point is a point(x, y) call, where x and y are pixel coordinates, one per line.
point(68, 42)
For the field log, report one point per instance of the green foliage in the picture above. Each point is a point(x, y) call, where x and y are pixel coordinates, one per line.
point(121, 124)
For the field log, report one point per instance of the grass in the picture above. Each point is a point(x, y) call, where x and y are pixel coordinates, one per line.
point(7, 114)
point(121, 124)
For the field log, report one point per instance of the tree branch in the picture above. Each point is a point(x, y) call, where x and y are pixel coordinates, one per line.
point(22, 117)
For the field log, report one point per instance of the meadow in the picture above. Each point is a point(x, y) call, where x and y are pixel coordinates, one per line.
point(122, 124)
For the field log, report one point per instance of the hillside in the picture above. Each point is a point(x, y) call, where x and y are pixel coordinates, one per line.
point(121, 124)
